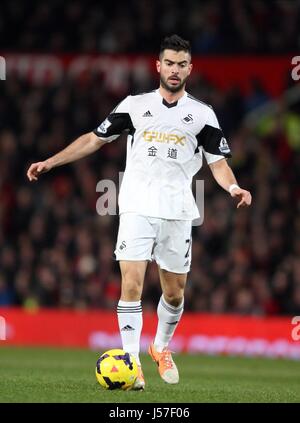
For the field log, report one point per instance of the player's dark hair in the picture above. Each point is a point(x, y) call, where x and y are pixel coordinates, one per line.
point(174, 42)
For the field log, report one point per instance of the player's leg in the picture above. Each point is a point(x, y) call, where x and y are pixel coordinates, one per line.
point(170, 307)
point(133, 251)
point(173, 255)
point(169, 312)
point(129, 307)
point(129, 311)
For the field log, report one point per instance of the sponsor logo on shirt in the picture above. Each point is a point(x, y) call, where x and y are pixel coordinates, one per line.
point(155, 136)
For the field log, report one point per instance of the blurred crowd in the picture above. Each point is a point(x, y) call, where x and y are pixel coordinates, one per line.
point(56, 251)
point(213, 26)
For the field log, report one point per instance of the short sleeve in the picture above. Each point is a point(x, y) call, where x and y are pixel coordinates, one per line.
point(117, 121)
point(211, 138)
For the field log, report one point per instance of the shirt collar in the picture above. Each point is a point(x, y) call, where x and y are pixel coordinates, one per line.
point(175, 103)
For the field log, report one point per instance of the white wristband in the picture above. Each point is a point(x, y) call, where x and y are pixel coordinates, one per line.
point(232, 186)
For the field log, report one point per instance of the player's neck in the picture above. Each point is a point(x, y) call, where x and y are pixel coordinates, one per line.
point(169, 96)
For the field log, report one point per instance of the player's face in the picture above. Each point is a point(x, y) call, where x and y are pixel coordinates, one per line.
point(174, 68)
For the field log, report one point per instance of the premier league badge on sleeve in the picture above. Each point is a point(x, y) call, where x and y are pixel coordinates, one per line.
point(104, 126)
point(223, 147)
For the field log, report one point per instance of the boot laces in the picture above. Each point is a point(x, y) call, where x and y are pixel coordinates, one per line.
point(167, 359)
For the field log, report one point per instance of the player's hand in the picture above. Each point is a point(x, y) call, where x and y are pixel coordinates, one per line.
point(244, 197)
point(36, 169)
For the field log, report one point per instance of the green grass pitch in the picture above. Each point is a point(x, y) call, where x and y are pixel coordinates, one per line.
point(68, 375)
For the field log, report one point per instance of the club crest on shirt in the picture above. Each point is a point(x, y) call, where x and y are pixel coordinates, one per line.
point(104, 126)
point(223, 147)
point(188, 119)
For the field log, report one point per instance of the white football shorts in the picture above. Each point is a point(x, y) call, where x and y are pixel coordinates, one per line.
point(168, 242)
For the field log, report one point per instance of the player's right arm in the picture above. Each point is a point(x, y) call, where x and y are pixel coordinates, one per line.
point(118, 121)
point(83, 146)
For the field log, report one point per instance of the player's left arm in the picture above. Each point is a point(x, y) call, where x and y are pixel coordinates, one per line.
point(224, 175)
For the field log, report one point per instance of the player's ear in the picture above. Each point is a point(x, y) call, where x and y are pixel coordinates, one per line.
point(158, 66)
point(190, 67)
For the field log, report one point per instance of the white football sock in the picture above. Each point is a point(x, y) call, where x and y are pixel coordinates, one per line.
point(168, 319)
point(130, 320)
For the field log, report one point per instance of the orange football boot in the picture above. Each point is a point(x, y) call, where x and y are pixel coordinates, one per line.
point(166, 366)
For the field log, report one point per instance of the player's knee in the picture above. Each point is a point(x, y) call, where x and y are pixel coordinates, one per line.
point(131, 290)
point(173, 298)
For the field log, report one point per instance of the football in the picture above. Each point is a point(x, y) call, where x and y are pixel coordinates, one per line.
point(116, 369)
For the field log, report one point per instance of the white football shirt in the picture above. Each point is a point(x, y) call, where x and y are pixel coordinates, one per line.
point(165, 145)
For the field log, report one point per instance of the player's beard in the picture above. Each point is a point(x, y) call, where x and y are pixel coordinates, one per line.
point(171, 88)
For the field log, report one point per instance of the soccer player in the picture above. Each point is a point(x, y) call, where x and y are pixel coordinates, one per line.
point(168, 133)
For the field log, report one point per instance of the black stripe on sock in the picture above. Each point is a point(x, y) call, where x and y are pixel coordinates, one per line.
point(129, 312)
point(129, 308)
point(171, 310)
